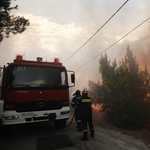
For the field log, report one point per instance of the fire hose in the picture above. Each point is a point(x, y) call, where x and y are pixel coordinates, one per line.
point(71, 120)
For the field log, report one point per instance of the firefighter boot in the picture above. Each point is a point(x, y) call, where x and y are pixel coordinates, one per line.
point(92, 133)
point(79, 127)
point(84, 136)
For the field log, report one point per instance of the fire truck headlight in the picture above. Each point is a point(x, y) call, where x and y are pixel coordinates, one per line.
point(64, 112)
point(11, 117)
point(66, 103)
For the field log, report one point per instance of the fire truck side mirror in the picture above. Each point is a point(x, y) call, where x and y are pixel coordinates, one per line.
point(72, 78)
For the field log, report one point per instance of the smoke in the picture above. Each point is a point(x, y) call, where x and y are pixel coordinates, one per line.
point(141, 50)
point(50, 35)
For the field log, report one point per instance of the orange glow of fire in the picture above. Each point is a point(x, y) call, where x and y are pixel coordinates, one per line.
point(75, 65)
point(97, 107)
point(80, 77)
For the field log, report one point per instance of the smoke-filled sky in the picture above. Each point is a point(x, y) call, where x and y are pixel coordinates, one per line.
point(58, 28)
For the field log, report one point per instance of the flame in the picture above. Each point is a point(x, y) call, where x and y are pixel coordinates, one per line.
point(81, 78)
point(97, 106)
point(75, 65)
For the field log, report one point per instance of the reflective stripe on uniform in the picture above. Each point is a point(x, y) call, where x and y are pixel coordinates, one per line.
point(79, 120)
point(72, 102)
point(86, 100)
point(79, 98)
point(91, 129)
point(84, 130)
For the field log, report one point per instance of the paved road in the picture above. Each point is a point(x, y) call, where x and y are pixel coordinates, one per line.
point(45, 137)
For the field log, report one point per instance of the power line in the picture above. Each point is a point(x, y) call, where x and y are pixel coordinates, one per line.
point(114, 43)
point(96, 31)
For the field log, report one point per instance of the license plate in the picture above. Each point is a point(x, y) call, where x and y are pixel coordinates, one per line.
point(27, 114)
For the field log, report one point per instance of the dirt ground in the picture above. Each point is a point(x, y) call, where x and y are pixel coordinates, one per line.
point(143, 135)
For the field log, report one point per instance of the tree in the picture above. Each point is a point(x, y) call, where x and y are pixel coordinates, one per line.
point(95, 92)
point(125, 92)
point(9, 23)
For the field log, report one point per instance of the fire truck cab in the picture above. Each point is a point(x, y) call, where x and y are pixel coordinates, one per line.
point(35, 91)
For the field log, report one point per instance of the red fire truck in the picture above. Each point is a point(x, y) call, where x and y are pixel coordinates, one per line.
point(35, 91)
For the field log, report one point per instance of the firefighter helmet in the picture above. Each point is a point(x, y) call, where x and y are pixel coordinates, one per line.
point(85, 91)
point(77, 92)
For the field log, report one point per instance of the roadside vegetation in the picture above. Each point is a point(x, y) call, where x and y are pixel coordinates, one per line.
point(123, 93)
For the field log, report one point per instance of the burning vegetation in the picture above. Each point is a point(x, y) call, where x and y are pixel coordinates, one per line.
point(124, 93)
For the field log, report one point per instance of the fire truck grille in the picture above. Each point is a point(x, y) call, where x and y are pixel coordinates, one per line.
point(33, 106)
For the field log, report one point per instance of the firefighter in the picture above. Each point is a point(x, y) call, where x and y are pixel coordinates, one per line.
point(77, 108)
point(86, 113)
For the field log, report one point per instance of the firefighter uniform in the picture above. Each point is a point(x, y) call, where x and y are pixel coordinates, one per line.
point(86, 113)
point(77, 108)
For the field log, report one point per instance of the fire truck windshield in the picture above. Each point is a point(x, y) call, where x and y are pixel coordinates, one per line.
point(29, 76)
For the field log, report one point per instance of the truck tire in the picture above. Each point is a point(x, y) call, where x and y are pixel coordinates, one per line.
point(5, 130)
point(60, 124)
point(1, 129)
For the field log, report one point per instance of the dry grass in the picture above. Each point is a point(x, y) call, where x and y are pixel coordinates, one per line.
point(143, 134)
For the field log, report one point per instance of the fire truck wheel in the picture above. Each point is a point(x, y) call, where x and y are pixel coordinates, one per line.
point(0, 125)
point(60, 124)
point(5, 131)
point(0, 122)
